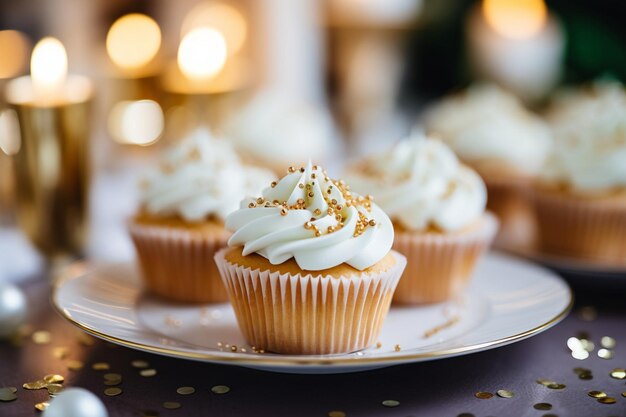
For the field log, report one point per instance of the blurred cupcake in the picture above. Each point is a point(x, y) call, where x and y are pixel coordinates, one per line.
point(581, 196)
point(492, 132)
point(316, 274)
point(437, 206)
point(180, 224)
point(276, 129)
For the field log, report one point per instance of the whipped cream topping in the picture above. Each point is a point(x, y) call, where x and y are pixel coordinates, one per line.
point(590, 139)
point(314, 219)
point(420, 183)
point(486, 123)
point(278, 129)
point(201, 178)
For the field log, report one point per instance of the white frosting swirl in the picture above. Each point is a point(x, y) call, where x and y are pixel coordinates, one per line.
point(486, 123)
point(590, 139)
point(420, 183)
point(278, 129)
point(313, 219)
point(201, 177)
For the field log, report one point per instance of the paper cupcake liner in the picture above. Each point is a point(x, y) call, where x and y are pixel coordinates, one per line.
point(591, 229)
point(439, 266)
point(296, 314)
point(178, 264)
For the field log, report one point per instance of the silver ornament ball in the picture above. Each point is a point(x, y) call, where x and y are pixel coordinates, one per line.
point(12, 308)
point(76, 402)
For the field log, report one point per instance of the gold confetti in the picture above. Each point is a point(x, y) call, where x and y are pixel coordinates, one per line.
point(54, 379)
point(580, 354)
point(100, 366)
point(397, 348)
point(171, 405)
point(60, 352)
point(379, 345)
point(608, 342)
point(113, 391)
point(336, 413)
point(185, 390)
point(54, 389)
point(35, 384)
point(7, 394)
point(542, 406)
point(483, 395)
point(41, 337)
point(139, 364)
point(556, 386)
point(503, 393)
point(74, 365)
point(391, 403)
point(148, 372)
point(220, 389)
point(112, 379)
point(42, 406)
point(545, 382)
point(596, 394)
point(605, 353)
point(624, 394)
point(618, 373)
point(607, 400)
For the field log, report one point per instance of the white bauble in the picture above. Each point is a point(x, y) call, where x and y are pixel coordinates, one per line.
point(76, 402)
point(12, 308)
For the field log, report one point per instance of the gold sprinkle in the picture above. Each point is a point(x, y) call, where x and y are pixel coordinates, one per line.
point(283, 211)
point(260, 200)
point(596, 394)
point(308, 225)
point(607, 342)
point(372, 222)
point(60, 352)
point(318, 233)
point(503, 393)
point(251, 205)
point(54, 379)
point(333, 202)
point(391, 403)
point(542, 406)
point(483, 395)
point(618, 373)
point(42, 406)
point(301, 169)
point(171, 405)
point(41, 337)
point(74, 365)
point(222, 389)
point(144, 364)
point(313, 175)
point(233, 348)
point(317, 212)
point(336, 413)
point(185, 390)
point(397, 348)
point(148, 372)
point(624, 394)
point(607, 400)
point(273, 184)
point(300, 185)
point(379, 345)
point(54, 389)
point(100, 366)
point(291, 170)
point(315, 167)
point(556, 386)
point(605, 353)
point(311, 194)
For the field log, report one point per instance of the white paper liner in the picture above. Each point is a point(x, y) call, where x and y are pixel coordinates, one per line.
point(297, 314)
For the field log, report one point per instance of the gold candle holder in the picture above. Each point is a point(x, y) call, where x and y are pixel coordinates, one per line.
point(52, 165)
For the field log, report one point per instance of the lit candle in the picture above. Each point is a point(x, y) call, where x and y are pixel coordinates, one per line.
point(516, 43)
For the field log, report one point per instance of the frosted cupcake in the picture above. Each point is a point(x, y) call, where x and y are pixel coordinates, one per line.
point(180, 224)
point(316, 274)
point(437, 206)
point(581, 196)
point(492, 132)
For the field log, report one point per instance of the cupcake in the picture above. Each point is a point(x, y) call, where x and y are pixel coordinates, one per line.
point(276, 129)
point(437, 206)
point(309, 269)
point(580, 197)
point(492, 132)
point(180, 224)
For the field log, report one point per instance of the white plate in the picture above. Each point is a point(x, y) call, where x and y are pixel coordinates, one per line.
point(509, 300)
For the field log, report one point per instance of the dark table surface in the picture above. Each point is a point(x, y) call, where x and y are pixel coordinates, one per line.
point(437, 388)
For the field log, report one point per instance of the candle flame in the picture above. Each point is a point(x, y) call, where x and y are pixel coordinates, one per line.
point(133, 41)
point(48, 67)
point(517, 19)
point(202, 53)
point(223, 17)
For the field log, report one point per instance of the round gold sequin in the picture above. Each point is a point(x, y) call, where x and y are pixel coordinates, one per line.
point(483, 395)
point(74, 365)
point(503, 393)
point(7, 394)
point(624, 394)
point(397, 348)
point(112, 379)
point(545, 382)
point(100, 366)
point(42, 406)
point(171, 405)
point(542, 406)
point(54, 389)
point(113, 391)
point(596, 394)
point(140, 364)
point(185, 390)
point(336, 413)
point(60, 352)
point(41, 337)
point(607, 400)
point(556, 386)
point(54, 379)
point(391, 403)
point(607, 342)
point(618, 373)
point(148, 372)
point(605, 353)
point(220, 389)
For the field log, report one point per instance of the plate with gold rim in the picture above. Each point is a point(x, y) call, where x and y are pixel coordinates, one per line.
point(508, 300)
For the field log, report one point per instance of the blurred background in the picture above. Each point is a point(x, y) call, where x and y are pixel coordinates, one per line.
point(340, 78)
